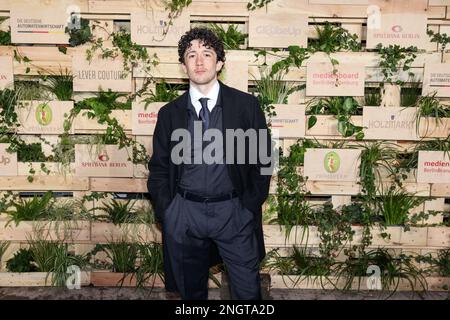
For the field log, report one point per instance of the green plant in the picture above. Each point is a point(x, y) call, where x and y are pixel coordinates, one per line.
point(342, 108)
point(435, 144)
point(395, 204)
point(3, 247)
point(439, 264)
point(150, 265)
point(60, 85)
point(232, 38)
point(164, 92)
point(410, 95)
point(55, 259)
point(122, 255)
point(273, 90)
point(30, 210)
point(30, 152)
point(393, 270)
point(118, 211)
point(255, 4)
point(296, 56)
point(22, 261)
point(442, 39)
point(5, 36)
point(79, 36)
point(372, 97)
point(394, 57)
point(332, 38)
point(430, 106)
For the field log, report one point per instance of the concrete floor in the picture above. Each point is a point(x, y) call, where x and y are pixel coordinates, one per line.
point(96, 293)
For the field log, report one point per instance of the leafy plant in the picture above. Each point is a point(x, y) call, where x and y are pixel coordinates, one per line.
point(118, 211)
point(22, 261)
point(430, 106)
point(296, 56)
point(273, 90)
point(164, 92)
point(332, 38)
point(435, 144)
point(394, 57)
point(393, 270)
point(232, 38)
point(30, 152)
point(79, 36)
point(372, 97)
point(410, 95)
point(342, 108)
point(442, 39)
point(255, 4)
point(5, 36)
point(60, 85)
point(122, 255)
point(151, 264)
point(395, 204)
point(30, 210)
point(55, 259)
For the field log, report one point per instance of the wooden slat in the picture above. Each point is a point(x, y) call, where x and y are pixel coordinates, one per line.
point(118, 185)
point(34, 279)
point(106, 232)
point(42, 183)
point(49, 230)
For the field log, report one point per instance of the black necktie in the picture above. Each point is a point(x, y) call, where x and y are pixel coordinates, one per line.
point(204, 112)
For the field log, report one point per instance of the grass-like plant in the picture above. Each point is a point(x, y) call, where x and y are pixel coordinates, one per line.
point(30, 210)
point(60, 85)
point(392, 270)
point(150, 264)
point(430, 106)
point(372, 97)
point(410, 95)
point(122, 255)
point(163, 92)
point(54, 258)
point(4, 245)
point(118, 212)
point(232, 38)
point(395, 204)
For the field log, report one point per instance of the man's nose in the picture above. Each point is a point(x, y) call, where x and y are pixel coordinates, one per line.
point(199, 60)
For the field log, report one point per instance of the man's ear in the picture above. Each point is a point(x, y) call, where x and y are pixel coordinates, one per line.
point(184, 67)
point(219, 65)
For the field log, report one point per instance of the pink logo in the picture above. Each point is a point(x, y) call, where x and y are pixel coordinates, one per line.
point(103, 157)
point(397, 28)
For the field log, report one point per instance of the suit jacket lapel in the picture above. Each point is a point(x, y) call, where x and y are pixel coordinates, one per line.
point(180, 118)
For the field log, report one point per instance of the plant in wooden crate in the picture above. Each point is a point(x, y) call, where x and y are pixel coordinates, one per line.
point(22, 261)
point(59, 84)
point(342, 108)
point(435, 144)
point(163, 92)
point(300, 265)
point(5, 36)
point(393, 270)
point(439, 264)
point(30, 210)
point(395, 204)
point(295, 58)
point(150, 265)
point(409, 95)
point(232, 38)
point(81, 35)
point(372, 97)
point(118, 212)
point(272, 89)
point(394, 59)
point(54, 258)
point(429, 106)
point(333, 38)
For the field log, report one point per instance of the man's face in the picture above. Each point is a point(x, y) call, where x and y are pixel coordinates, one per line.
point(200, 63)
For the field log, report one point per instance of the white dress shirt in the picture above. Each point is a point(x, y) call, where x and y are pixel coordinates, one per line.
point(212, 97)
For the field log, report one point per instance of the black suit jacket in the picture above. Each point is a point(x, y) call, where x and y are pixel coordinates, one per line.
point(240, 110)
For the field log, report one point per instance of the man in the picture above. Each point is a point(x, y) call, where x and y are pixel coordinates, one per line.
point(207, 207)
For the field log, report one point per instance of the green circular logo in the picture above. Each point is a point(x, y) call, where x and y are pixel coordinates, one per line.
point(332, 162)
point(43, 114)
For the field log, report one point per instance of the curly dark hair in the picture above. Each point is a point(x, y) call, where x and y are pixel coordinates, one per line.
point(205, 35)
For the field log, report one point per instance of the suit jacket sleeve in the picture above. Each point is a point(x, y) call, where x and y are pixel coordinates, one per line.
point(260, 183)
point(158, 180)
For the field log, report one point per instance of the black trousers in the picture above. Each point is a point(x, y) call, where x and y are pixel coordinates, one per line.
point(190, 229)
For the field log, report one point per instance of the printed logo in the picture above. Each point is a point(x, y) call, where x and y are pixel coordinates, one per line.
point(44, 114)
point(397, 28)
point(332, 162)
point(103, 157)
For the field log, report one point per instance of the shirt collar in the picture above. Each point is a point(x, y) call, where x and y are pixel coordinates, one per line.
point(212, 95)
